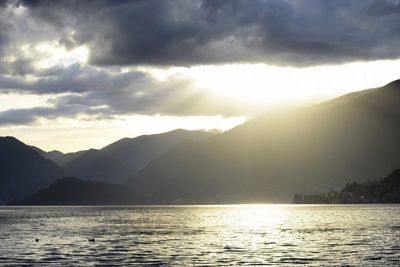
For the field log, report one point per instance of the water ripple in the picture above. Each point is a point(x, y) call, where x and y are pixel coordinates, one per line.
point(243, 235)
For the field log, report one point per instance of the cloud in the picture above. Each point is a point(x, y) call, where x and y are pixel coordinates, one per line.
point(104, 93)
point(121, 34)
point(26, 116)
point(181, 32)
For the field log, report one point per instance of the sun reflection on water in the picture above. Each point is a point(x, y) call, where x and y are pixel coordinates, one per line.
point(262, 224)
point(256, 216)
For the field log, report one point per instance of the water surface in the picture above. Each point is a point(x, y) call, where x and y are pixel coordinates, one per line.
point(249, 235)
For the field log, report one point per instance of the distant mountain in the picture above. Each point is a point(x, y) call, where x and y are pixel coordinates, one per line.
point(386, 190)
point(122, 159)
point(74, 191)
point(351, 138)
point(59, 157)
point(23, 170)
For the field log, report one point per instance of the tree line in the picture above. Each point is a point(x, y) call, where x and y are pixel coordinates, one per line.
point(385, 190)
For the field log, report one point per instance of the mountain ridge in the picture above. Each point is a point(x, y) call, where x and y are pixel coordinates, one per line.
point(59, 157)
point(117, 161)
point(23, 170)
point(345, 139)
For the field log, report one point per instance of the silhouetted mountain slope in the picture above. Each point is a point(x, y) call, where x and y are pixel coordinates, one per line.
point(351, 138)
point(40, 151)
point(23, 170)
point(59, 157)
point(120, 160)
point(74, 191)
point(386, 190)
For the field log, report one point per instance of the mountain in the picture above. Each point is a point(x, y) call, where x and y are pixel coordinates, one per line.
point(74, 191)
point(23, 170)
point(351, 138)
point(59, 157)
point(386, 190)
point(120, 160)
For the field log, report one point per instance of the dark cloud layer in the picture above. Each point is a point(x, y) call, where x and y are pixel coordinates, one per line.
point(181, 32)
point(26, 116)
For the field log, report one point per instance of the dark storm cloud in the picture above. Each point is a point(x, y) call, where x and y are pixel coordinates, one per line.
point(19, 67)
point(384, 8)
point(176, 32)
point(182, 32)
point(72, 79)
point(30, 115)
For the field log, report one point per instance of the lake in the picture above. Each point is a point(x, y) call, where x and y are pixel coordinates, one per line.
point(244, 235)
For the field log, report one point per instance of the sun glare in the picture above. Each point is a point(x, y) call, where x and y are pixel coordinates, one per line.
point(261, 84)
point(264, 84)
point(260, 215)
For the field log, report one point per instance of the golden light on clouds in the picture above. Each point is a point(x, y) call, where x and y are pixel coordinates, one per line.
point(258, 86)
point(60, 66)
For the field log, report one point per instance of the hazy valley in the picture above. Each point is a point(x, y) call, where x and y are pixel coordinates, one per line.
point(353, 138)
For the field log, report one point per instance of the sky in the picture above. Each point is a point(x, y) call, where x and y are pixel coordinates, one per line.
point(80, 74)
